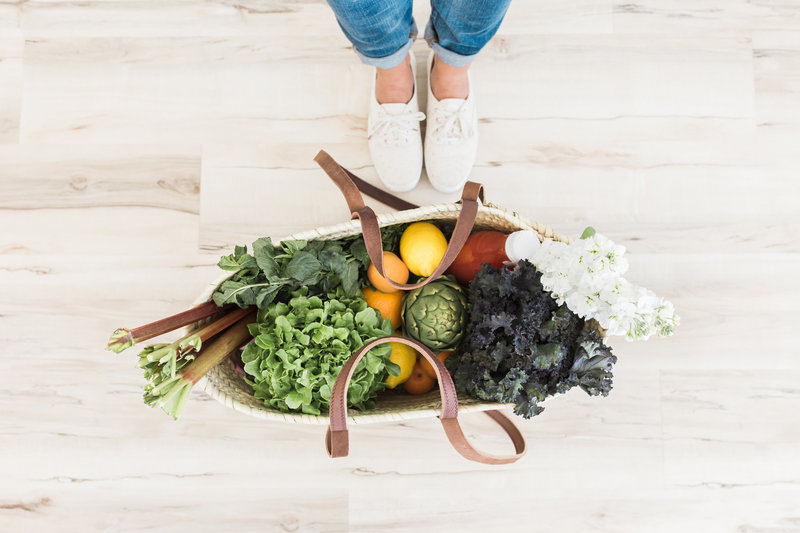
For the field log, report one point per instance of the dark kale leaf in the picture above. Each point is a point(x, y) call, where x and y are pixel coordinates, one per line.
point(521, 346)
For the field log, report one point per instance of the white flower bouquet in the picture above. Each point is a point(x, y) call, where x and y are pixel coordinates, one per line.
point(587, 275)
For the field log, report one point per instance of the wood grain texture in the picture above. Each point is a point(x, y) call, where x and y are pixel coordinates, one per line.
point(10, 80)
point(139, 140)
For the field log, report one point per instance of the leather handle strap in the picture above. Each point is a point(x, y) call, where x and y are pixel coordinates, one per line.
point(379, 194)
point(473, 192)
point(337, 439)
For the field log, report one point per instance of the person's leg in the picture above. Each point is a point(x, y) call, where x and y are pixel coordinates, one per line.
point(382, 32)
point(457, 30)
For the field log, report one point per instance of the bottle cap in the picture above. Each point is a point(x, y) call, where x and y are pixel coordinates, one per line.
point(521, 245)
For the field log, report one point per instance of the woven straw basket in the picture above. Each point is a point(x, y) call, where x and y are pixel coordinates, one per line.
point(228, 387)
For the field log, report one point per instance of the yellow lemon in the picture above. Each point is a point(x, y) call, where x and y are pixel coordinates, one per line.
point(405, 357)
point(422, 247)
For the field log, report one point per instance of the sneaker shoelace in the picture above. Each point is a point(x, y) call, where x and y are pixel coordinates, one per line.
point(453, 126)
point(396, 128)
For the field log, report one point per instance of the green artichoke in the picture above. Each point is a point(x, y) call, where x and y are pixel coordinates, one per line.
point(436, 314)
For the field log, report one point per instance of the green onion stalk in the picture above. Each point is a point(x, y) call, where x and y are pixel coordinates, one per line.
point(171, 392)
point(124, 338)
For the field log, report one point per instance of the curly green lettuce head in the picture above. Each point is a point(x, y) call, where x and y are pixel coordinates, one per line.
point(436, 314)
point(300, 346)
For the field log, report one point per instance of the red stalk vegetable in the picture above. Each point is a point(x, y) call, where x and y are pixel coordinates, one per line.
point(124, 338)
point(173, 393)
point(161, 361)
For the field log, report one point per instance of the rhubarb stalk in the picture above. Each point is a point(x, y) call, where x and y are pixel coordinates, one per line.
point(173, 393)
point(162, 361)
point(124, 338)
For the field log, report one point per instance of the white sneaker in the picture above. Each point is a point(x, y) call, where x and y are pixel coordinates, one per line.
point(394, 139)
point(451, 138)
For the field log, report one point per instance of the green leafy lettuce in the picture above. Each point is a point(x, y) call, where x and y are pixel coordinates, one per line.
point(300, 346)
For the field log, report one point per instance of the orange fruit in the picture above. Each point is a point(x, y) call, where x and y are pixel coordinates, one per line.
point(388, 304)
point(419, 382)
point(428, 368)
point(393, 267)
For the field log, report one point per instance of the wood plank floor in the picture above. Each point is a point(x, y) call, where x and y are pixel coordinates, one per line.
point(139, 140)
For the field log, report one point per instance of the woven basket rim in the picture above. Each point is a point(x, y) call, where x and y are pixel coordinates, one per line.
point(429, 405)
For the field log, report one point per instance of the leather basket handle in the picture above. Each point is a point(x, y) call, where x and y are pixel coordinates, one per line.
point(337, 439)
point(473, 192)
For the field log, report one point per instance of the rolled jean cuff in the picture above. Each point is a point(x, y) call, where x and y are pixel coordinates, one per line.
point(448, 56)
point(451, 58)
point(390, 61)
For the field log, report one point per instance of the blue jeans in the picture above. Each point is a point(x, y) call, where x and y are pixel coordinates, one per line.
point(382, 31)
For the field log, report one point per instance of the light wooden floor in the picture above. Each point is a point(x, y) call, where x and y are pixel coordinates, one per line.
point(138, 140)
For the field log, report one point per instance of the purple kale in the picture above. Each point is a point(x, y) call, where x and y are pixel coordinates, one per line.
point(520, 346)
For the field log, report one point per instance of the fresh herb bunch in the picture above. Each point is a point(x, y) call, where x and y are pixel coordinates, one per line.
point(300, 347)
point(271, 273)
point(520, 346)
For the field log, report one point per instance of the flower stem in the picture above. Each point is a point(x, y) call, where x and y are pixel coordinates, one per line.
point(124, 338)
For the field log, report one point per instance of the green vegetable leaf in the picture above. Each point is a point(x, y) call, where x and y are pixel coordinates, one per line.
point(393, 368)
point(367, 317)
point(520, 346)
point(294, 400)
point(264, 253)
point(302, 344)
point(266, 295)
point(304, 267)
point(292, 247)
point(358, 249)
point(238, 260)
point(349, 279)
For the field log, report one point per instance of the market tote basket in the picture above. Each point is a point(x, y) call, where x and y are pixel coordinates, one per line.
point(227, 386)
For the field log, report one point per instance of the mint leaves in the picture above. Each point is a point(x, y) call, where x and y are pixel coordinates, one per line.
point(299, 348)
point(271, 274)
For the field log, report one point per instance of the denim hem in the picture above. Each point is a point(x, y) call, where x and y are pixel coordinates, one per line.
point(390, 61)
point(447, 56)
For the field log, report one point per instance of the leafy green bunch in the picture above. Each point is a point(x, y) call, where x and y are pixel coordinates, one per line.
point(272, 273)
point(520, 346)
point(300, 346)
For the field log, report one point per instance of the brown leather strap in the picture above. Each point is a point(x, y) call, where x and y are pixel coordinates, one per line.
point(379, 194)
point(337, 174)
point(371, 230)
point(337, 439)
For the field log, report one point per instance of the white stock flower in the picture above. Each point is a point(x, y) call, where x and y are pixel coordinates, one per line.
point(587, 276)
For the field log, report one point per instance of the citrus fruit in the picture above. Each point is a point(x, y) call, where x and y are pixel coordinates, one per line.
point(419, 382)
point(395, 270)
point(388, 304)
point(422, 247)
point(428, 368)
point(405, 357)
